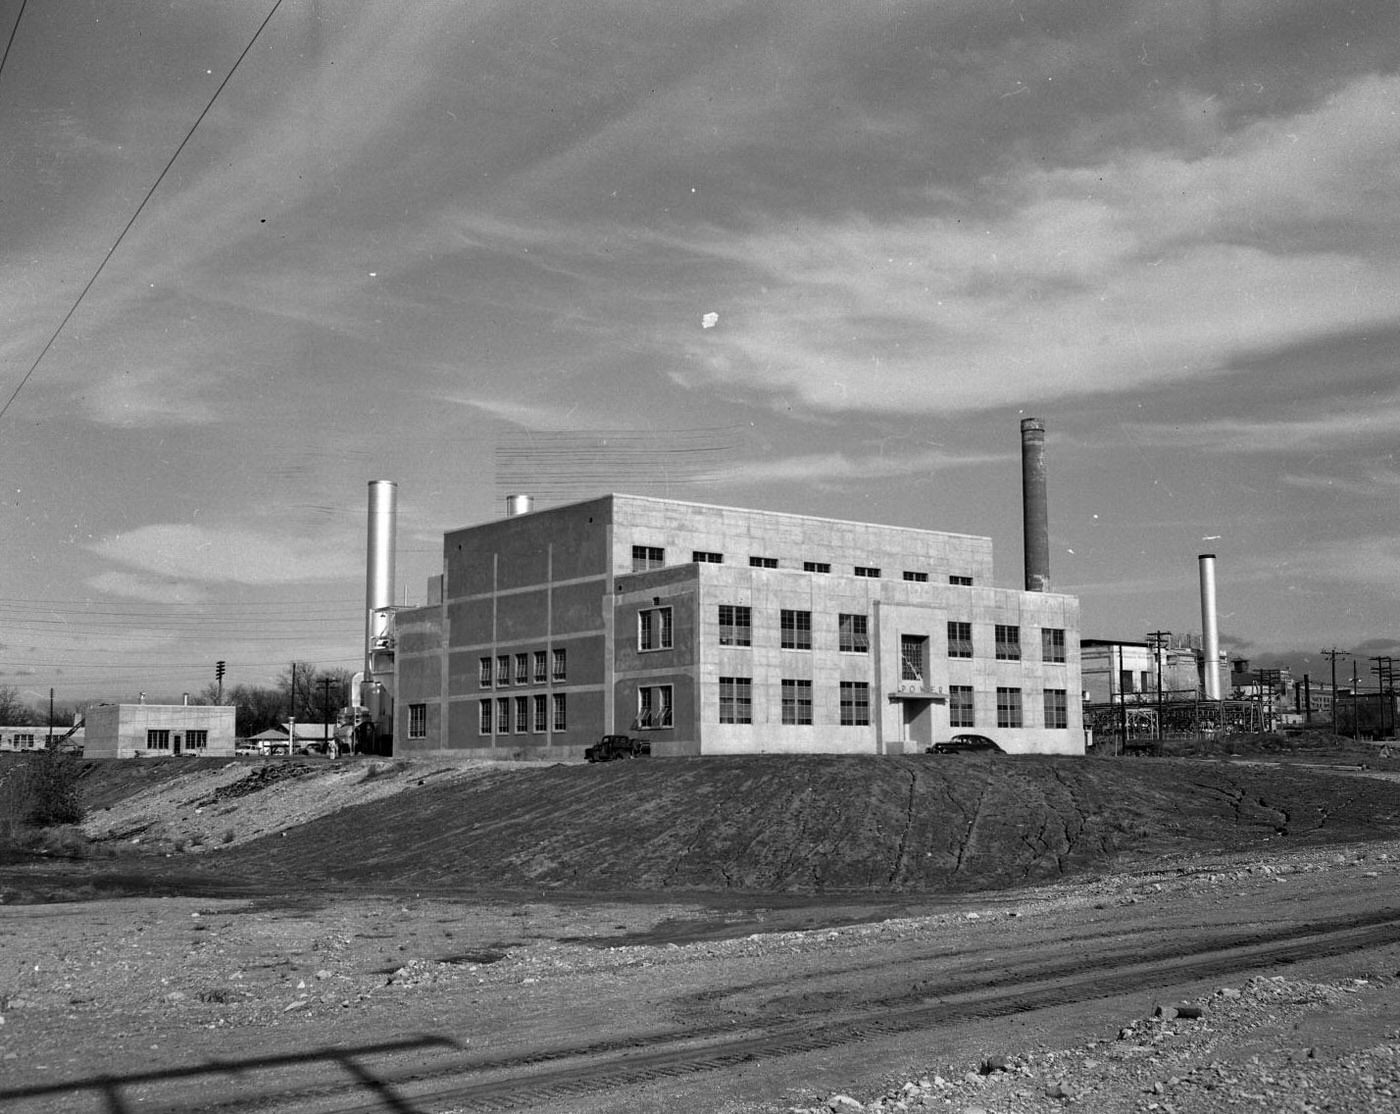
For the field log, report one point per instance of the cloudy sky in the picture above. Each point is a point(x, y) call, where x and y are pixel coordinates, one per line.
point(815, 256)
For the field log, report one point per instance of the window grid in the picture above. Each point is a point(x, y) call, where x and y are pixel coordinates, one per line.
point(912, 655)
point(417, 721)
point(959, 639)
point(853, 633)
point(541, 667)
point(916, 577)
point(1008, 643)
point(196, 740)
point(559, 667)
point(763, 562)
point(522, 669)
point(541, 718)
point(522, 714)
point(1052, 644)
point(561, 703)
point(503, 669)
point(961, 711)
point(1057, 708)
point(735, 625)
point(503, 715)
point(961, 581)
point(484, 717)
point(736, 700)
point(157, 739)
point(484, 677)
point(654, 707)
point(868, 571)
point(795, 629)
point(704, 557)
point(645, 557)
point(816, 566)
point(855, 704)
point(1009, 707)
point(654, 629)
point(797, 702)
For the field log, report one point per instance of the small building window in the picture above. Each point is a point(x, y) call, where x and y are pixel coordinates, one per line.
point(795, 629)
point(560, 664)
point(853, 633)
point(196, 740)
point(654, 629)
point(960, 706)
point(484, 678)
point(522, 669)
point(736, 700)
point(503, 715)
point(157, 740)
point(1052, 644)
point(541, 667)
point(541, 719)
point(704, 557)
point(1009, 707)
point(868, 570)
point(763, 562)
point(483, 722)
point(1056, 708)
point(959, 639)
point(417, 721)
point(646, 557)
point(1008, 643)
point(855, 704)
point(654, 707)
point(816, 566)
point(797, 702)
point(503, 669)
point(522, 714)
point(917, 577)
point(961, 581)
point(735, 625)
point(561, 702)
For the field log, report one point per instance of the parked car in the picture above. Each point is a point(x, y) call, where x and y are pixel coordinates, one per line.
point(610, 747)
point(965, 744)
point(316, 747)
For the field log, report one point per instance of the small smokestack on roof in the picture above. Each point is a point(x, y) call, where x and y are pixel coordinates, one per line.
point(1210, 633)
point(1035, 512)
point(519, 504)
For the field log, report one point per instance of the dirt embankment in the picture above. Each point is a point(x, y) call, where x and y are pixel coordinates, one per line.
point(793, 824)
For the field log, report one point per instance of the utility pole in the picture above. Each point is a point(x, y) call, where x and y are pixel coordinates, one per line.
point(1334, 654)
point(219, 679)
point(1158, 637)
point(1355, 723)
point(1384, 670)
point(326, 713)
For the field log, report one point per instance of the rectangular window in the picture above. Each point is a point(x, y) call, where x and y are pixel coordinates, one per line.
point(916, 577)
point(417, 721)
point(560, 664)
point(1008, 643)
point(913, 657)
point(797, 702)
point(853, 634)
point(157, 740)
point(960, 707)
point(961, 581)
point(1009, 708)
point(763, 562)
point(503, 669)
point(654, 707)
point(1145, 681)
point(735, 625)
point(703, 557)
point(1052, 644)
point(869, 571)
point(1125, 680)
point(735, 700)
point(855, 704)
point(1056, 708)
point(522, 714)
point(24, 741)
point(959, 639)
point(541, 667)
point(484, 678)
point(646, 557)
point(483, 714)
point(541, 720)
point(816, 566)
point(795, 629)
point(654, 629)
point(503, 715)
point(561, 707)
point(522, 669)
point(196, 740)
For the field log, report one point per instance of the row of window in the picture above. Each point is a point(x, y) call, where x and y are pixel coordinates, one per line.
point(160, 740)
point(528, 668)
point(517, 715)
point(853, 634)
point(647, 557)
point(654, 703)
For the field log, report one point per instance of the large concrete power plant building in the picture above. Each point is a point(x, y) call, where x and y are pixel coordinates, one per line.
point(715, 630)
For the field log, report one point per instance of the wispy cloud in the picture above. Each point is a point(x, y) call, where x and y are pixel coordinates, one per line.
point(839, 467)
point(1359, 422)
point(200, 555)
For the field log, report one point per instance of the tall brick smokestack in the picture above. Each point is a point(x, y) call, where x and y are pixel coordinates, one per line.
point(1035, 514)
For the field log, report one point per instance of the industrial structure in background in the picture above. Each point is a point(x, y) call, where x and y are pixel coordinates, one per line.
point(366, 723)
point(719, 630)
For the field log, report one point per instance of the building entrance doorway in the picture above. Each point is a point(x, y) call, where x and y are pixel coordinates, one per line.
point(918, 725)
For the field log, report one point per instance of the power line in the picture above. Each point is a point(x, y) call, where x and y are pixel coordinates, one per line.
point(13, 32)
point(139, 209)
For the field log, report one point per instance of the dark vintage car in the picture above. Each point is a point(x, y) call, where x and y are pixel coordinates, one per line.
point(965, 744)
point(610, 747)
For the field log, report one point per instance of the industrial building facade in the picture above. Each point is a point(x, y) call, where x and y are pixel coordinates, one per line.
point(714, 630)
point(159, 730)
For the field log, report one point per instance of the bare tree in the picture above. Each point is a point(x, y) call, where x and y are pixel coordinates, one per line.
point(13, 711)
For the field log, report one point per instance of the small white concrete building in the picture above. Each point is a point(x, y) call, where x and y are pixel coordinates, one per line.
point(159, 730)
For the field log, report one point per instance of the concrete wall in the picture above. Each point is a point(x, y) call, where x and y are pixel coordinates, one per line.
point(123, 730)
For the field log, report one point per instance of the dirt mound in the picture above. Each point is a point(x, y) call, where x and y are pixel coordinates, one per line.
point(814, 824)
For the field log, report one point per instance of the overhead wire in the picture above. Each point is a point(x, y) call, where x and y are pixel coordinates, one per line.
point(134, 216)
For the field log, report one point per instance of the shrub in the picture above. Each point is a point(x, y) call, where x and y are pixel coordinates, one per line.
point(39, 791)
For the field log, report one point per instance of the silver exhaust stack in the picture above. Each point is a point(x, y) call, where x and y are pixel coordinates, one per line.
point(1210, 633)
